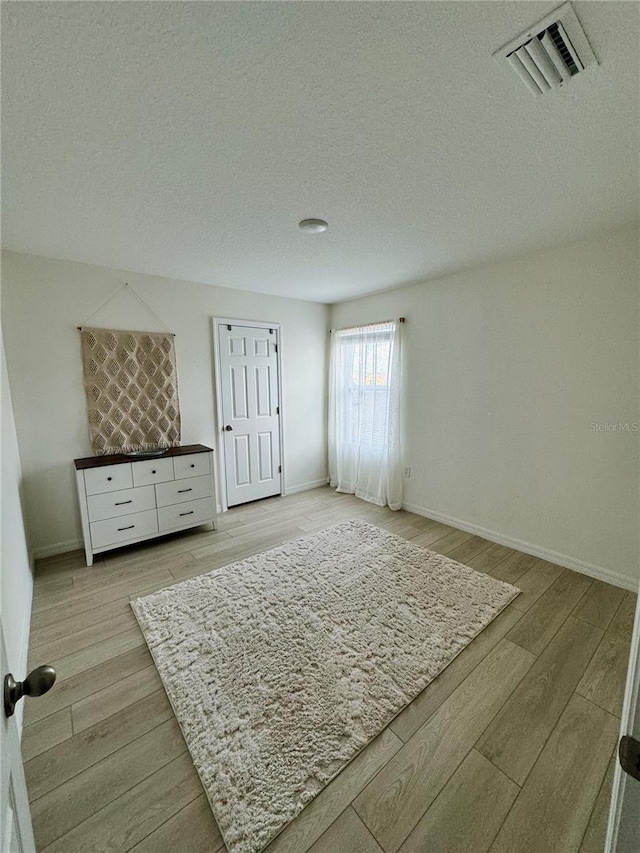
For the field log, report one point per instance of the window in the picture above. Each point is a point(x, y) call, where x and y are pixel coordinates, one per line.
point(366, 411)
point(364, 453)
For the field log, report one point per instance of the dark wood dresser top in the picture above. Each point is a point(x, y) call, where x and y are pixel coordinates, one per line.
point(119, 458)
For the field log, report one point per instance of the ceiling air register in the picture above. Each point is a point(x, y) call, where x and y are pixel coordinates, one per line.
point(550, 52)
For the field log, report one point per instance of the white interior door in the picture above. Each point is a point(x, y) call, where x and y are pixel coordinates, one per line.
point(250, 400)
point(15, 819)
point(623, 834)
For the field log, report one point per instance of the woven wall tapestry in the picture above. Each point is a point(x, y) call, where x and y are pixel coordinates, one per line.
point(131, 384)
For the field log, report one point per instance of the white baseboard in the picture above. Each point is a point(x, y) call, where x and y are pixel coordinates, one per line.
point(57, 548)
point(602, 574)
point(305, 487)
point(292, 490)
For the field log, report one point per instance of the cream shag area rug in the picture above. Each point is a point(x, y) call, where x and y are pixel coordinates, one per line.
point(282, 667)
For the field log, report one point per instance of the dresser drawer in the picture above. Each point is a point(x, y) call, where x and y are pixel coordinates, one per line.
point(152, 471)
point(125, 502)
point(108, 478)
point(191, 466)
point(183, 490)
point(113, 531)
point(171, 517)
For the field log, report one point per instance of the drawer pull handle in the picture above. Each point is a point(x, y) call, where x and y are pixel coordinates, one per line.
point(192, 465)
point(109, 479)
point(180, 491)
point(187, 513)
point(154, 472)
point(122, 503)
point(130, 527)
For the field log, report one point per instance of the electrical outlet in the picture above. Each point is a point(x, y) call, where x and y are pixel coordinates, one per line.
point(407, 471)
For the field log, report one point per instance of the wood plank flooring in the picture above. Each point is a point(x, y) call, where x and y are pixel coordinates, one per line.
point(490, 758)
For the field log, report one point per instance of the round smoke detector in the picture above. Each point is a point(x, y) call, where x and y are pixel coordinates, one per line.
point(313, 226)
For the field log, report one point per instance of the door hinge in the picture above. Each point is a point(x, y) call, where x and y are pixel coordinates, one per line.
point(276, 346)
point(277, 410)
point(629, 755)
point(279, 469)
point(228, 328)
point(270, 331)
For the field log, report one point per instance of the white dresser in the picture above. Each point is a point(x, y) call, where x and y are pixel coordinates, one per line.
point(130, 499)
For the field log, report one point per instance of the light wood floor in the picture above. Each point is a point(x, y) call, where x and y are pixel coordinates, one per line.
point(509, 750)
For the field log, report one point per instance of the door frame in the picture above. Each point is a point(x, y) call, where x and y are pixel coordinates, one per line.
point(12, 770)
point(629, 710)
point(221, 466)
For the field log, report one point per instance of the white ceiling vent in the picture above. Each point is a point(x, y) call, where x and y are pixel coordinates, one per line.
point(550, 52)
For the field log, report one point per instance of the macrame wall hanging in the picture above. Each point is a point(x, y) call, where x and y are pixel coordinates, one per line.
point(131, 386)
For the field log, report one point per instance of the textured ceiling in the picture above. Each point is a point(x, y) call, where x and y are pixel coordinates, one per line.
point(188, 139)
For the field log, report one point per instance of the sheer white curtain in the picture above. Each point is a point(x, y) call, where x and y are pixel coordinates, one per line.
point(364, 413)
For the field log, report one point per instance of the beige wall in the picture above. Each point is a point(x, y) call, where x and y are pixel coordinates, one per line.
point(506, 369)
point(43, 302)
